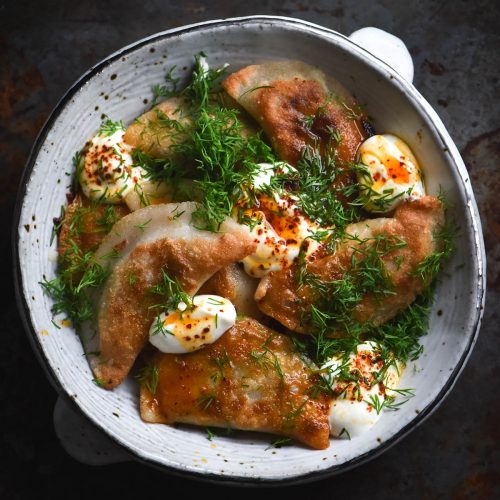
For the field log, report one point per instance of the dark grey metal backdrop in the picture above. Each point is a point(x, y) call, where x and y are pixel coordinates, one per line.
point(45, 46)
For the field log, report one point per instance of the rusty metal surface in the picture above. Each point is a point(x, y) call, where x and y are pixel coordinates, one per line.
point(45, 46)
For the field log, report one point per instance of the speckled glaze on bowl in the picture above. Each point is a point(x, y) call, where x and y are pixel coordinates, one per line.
point(118, 87)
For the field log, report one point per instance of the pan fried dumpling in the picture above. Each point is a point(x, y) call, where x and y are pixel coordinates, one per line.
point(139, 247)
point(414, 223)
point(297, 104)
point(252, 378)
point(85, 225)
point(234, 284)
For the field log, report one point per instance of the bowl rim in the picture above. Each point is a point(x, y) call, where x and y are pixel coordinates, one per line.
point(439, 128)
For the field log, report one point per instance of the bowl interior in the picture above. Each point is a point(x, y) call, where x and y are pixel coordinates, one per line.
point(119, 88)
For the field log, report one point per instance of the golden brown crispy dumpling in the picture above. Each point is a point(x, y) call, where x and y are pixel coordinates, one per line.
point(251, 378)
point(85, 224)
point(139, 247)
point(284, 96)
point(415, 223)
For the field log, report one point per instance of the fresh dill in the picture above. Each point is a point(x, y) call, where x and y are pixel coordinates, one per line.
point(148, 376)
point(132, 278)
point(108, 219)
point(158, 327)
point(99, 382)
point(337, 299)
point(368, 197)
point(312, 183)
point(167, 90)
point(278, 443)
point(220, 362)
point(109, 127)
point(143, 225)
point(253, 89)
point(428, 268)
point(333, 310)
point(267, 358)
point(55, 324)
point(292, 415)
point(205, 401)
point(388, 402)
point(171, 292)
point(345, 432)
point(58, 223)
point(78, 274)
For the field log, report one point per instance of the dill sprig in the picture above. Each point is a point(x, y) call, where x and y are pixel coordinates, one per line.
point(78, 274)
point(168, 90)
point(401, 335)
point(171, 292)
point(312, 182)
point(220, 362)
point(429, 267)
point(205, 401)
point(109, 127)
point(279, 443)
point(267, 358)
point(108, 219)
point(148, 376)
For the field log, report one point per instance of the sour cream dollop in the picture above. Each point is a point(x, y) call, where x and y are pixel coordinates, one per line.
point(189, 329)
point(277, 225)
point(107, 171)
point(392, 174)
point(354, 411)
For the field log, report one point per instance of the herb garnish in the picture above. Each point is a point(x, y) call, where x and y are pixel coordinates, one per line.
point(168, 90)
point(109, 127)
point(78, 274)
point(205, 401)
point(278, 443)
point(267, 357)
point(172, 293)
point(221, 362)
point(149, 376)
point(212, 149)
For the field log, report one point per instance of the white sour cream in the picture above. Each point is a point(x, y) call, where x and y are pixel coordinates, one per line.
point(279, 228)
point(354, 411)
point(107, 171)
point(189, 329)
point(392, 173)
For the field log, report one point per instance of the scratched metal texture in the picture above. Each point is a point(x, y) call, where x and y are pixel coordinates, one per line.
point(45, 46)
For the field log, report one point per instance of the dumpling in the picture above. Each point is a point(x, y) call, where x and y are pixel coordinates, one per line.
point(156, 131)
point(252, 379)
point(139, 247)
point(414, 223)
point(234, 284)
point(296, 105)
point(85, 224)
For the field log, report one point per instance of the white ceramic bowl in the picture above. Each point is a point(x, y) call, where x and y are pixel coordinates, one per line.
point(118, 86)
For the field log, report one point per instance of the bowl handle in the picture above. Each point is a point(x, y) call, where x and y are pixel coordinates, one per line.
point(84, 441)
point(387, 47)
